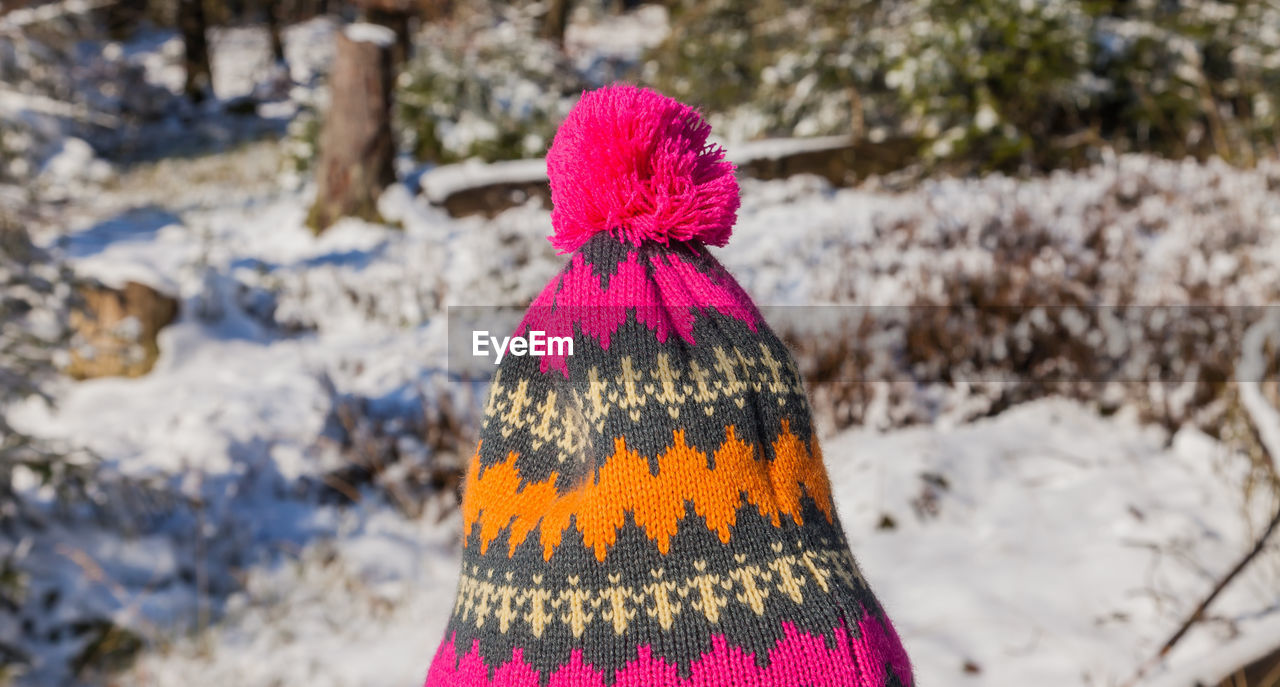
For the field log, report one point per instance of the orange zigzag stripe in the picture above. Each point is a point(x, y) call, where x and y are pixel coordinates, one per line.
point(496, 499)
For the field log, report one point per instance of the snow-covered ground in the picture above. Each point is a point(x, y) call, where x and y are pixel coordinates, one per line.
point(1052, 546)
point(1047, 559)
point(1047, 544)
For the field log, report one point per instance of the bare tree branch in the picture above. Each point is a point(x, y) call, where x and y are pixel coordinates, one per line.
point(1253, 366)
point(1266, 422)
point(12, 100)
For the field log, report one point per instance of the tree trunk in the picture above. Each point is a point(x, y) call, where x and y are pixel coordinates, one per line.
point(115, 330)
point(272, 11)
point(122, 18)
point(356, 146)
point(191, 23)
point(434, 10)
point(396, 15)
point(556, 20)
point(234, 9)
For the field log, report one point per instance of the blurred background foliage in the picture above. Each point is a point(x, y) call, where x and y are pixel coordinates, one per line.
point(988, 84)
point(932, 87)
point(489, 90)
point(981, 85)
point(1019, 86)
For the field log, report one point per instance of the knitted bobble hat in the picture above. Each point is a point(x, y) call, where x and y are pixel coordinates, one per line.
point(648, 507)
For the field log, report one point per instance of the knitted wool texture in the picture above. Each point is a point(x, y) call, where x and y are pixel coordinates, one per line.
point(653, 510)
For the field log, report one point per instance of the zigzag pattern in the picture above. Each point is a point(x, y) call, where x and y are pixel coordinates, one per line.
point(875, 658)
point(497, 498)
point(665, 303)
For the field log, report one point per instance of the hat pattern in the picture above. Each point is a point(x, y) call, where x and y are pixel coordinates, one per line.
point(651, 508)
point(654, 507)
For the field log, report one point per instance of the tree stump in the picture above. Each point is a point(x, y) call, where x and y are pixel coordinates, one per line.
point(356, 147)
point(115, 330)
point(396, 15)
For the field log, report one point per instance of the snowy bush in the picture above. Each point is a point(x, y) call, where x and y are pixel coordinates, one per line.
point(33, 311)
point(742, 63)
point(63, 77)
point(1007, 83)
point(993, 84)
point(989, 81)
point(25, 360)
point(414, 452)
point(38, 478)
point(1193, 76)
point(302, 142)
point(488, 89)
point(1127, 284)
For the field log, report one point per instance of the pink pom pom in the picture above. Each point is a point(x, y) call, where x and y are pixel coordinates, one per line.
point(637, 164)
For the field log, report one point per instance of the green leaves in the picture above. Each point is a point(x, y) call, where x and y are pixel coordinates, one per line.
point(1010, 85)
point(491, 91)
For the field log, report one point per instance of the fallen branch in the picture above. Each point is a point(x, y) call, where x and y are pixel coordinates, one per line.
point(1266, 423)
point(1252, 370)
point(12, 101)
point(1198, 614)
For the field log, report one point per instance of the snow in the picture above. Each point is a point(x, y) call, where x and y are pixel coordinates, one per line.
point(74, 158)
point(1073, 542)
point(619, 36)
point(774, 148)
point(363, 32)
point(1045, 544)
point(15, 103)
point(1210, 667)
point(242, 63)
point(1253, 371)
point(441, 182)
point(74, 165)
point(367, 617)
